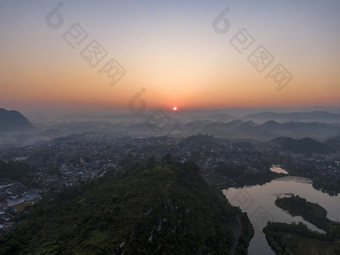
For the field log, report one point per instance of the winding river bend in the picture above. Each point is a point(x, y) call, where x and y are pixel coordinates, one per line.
point(259, 203)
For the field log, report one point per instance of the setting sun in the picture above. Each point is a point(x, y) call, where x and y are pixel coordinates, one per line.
point(88, 115)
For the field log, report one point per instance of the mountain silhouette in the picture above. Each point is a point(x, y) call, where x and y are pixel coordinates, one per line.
point(13, 121)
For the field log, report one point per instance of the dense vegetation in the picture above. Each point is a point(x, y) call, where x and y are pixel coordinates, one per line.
point(304, 145)
point(330, 186)
point(165, 209)
point(334, 143)
point(17, 171)
point(297, 238)
point(311, 212)
point(320, 182)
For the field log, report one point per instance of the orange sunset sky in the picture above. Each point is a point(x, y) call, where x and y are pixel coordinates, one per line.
point(172, 50)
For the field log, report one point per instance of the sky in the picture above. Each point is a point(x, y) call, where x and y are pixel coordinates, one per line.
point(190, 54)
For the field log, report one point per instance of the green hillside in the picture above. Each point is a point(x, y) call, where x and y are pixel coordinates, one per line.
point(17, 171)
point(167, 209)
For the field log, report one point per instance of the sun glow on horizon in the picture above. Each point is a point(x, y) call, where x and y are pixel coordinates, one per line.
point(173, 51)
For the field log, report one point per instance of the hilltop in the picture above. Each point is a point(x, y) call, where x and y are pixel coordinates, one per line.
point(13, 121)
point(166, 209)
point(304, 145)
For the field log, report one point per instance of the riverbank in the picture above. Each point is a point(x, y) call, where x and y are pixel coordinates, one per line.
point(297, 238)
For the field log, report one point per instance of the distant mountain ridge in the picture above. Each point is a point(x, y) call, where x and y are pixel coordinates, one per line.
point(259, 126)
point(13, 121)
point(270, 129)
point(295, 116)
point(235, 129)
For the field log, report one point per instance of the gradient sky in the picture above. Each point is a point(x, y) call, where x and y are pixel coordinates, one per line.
point(170, 49)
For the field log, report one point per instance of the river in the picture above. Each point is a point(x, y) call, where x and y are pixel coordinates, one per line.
point(259, 203)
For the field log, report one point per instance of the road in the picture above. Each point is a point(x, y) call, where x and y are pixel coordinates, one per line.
point(237, 233)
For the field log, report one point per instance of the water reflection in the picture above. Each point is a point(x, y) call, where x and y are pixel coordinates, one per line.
point(259, 203)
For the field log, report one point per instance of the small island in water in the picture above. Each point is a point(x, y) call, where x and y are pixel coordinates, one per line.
point(297, 238)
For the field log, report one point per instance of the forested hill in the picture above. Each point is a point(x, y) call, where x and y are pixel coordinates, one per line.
point(166, 209)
